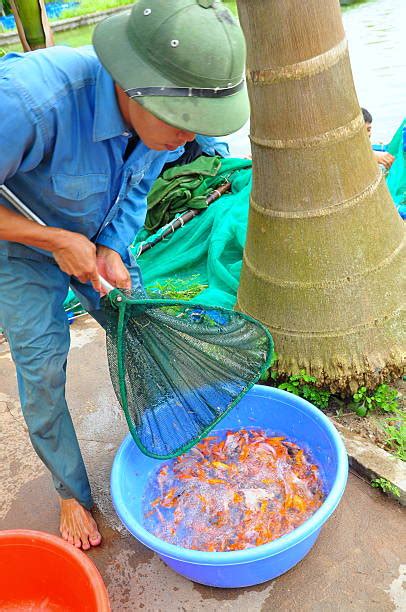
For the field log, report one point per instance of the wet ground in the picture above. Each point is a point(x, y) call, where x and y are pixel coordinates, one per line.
point(357, 564)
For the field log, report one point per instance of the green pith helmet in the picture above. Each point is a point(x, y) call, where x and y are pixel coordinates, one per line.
point(183, 60)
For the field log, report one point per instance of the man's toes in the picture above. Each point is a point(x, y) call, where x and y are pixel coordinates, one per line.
point(85, 543)
point(78, 542)
point(70, 539)
point(95, 539)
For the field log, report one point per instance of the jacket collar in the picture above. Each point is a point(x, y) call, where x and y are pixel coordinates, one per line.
point(108, 121)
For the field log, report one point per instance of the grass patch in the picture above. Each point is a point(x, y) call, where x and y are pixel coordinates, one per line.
point(232, 5)
point(378, 415)
point(385, 486)
point(92, 6)
point(302, 384)
point(76, 37)
point(72, 38)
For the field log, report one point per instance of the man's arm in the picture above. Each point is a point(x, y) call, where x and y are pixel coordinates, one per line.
point(71, 251)
point(22, 148)
point(130, 217)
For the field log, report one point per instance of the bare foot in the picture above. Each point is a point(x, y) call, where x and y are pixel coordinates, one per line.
point(77, 525)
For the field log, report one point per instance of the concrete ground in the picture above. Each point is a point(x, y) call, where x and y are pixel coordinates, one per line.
point(358, 562)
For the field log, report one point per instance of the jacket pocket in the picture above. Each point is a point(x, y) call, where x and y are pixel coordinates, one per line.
point(79, 187)
point(80, 201)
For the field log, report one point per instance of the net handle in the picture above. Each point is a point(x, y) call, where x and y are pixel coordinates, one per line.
point(27, 212)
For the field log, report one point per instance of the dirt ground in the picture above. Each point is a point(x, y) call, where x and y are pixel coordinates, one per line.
point(371, 426)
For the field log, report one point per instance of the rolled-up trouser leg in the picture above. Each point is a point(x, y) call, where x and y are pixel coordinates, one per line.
point(31, 311)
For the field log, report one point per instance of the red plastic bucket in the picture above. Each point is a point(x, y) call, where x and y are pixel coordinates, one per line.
point(39, 571)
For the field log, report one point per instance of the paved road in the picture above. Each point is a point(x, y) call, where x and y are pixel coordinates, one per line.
point(357, 564)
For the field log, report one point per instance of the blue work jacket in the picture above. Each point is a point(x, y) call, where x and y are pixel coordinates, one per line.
point(62, 141)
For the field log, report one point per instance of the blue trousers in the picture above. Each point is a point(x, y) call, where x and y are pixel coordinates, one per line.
point(32, 293)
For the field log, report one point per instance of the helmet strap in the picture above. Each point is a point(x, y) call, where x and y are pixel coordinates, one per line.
point(185, 92)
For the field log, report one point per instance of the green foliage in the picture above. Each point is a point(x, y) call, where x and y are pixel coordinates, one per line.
point(177, 289)
point(93, 6)
point(395, 431)
point(303, 385)
point(386, 486)
point(231, 5)
point(273, 370)
point(6, 6)
point(383, 398)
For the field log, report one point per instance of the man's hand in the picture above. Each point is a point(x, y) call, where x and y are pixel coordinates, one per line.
point(111, 267)
point(384, 158)
point(76, 255)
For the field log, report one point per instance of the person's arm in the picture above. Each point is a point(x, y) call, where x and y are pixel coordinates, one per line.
point(384, 158)
point(72, 251)
point(212, 145)
point(115, 238)
point(22, 148)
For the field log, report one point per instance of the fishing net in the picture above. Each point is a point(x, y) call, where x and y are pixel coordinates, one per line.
point(177, 369)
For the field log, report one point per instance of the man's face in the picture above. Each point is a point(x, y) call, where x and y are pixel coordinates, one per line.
point(156, 134)
point(369, 128)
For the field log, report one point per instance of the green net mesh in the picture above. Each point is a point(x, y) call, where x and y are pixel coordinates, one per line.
point(177, 368)
point(207, 250)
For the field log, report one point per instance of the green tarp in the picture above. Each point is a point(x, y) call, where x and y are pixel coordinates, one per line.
point(396, 179)
point(208, 249)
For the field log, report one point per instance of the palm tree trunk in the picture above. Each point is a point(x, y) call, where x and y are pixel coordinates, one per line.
point(324, 264)
point(32, 24)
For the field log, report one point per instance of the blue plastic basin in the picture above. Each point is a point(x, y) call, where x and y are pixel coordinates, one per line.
point(280, 413)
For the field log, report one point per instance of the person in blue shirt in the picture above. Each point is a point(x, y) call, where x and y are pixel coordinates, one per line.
point(83, 135)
